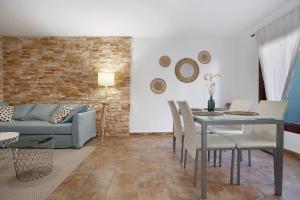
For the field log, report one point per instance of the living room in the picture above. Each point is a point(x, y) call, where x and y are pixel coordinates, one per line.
point(97, 98)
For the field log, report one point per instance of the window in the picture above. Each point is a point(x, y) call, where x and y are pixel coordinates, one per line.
point(293, 111)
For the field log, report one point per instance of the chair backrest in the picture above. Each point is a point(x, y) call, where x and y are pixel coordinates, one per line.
point(240, 105)
point(272, 109)
point(177, 126)
point(189, 128)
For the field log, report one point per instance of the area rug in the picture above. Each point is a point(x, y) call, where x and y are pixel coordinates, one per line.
point(65, 161)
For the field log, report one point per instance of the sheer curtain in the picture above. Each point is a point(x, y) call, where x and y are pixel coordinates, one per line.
point(278, 45)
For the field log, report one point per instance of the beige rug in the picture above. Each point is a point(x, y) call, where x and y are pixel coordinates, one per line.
point(65, 161)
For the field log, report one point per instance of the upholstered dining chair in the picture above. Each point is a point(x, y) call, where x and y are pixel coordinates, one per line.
point(178, 134)
point(261, 136)
point(192, 140)
point(236, 105)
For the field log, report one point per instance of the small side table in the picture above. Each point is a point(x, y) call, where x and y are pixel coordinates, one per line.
point(6, 139)
point(106, 112)
point(33, 157)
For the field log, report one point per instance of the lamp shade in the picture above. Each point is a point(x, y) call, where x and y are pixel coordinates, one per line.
point(106, 78)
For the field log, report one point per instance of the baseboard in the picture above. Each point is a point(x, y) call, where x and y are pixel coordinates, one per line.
point(292, 154)
point(151, 133)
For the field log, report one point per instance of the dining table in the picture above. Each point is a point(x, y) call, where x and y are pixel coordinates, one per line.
point(227, 119)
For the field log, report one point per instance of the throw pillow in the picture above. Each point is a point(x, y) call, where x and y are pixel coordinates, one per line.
point(22, 110)
point(41, 112)
point(60, 114)
point(6, 113)
point(77, 109)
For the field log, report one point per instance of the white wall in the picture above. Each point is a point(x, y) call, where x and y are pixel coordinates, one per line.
point(247, 67)
point(150, 112)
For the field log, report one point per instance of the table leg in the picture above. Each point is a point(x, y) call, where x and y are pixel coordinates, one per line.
point(279, 159)
point(204, 160)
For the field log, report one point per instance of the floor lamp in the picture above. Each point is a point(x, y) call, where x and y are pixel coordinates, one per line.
point(106, 79)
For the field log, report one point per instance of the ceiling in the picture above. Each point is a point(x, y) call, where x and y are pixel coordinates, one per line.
point(137, 18)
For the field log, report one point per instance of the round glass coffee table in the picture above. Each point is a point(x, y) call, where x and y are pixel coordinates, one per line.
point(33, 157)
point(6, 139)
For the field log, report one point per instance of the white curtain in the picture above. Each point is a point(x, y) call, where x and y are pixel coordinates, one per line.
point(278, 45)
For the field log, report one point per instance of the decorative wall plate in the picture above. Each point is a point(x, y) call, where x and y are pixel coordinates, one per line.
point(187, 70)
point(165, 61)
point(204, 57)
point(158, 86)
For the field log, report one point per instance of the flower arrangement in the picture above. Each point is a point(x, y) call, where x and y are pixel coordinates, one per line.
point(211, 82)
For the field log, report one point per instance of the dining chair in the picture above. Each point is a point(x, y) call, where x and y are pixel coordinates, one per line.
point(236, 105)
point(261, 136)
point(192, 141)
point(178, 134)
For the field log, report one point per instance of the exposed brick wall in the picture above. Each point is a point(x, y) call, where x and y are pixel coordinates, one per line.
point(1, 69)
point(64, 69)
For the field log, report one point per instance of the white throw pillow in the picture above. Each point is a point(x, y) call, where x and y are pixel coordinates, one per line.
point(6, 113)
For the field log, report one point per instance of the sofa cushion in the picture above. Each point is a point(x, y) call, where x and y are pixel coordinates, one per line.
point(6, 113)
point(60, 113)
point(77, 109)
point(36, 128)
point(41, 112)
point(2, 104)
point(22, 110)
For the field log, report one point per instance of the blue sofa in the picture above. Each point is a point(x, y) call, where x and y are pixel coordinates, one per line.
point(31, 120)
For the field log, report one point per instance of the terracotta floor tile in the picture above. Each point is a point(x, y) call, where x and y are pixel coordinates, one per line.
point(142, 168)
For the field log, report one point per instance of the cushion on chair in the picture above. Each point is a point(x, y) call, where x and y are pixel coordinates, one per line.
point(215, 141)
point(59, 114)
point(21, 111)
point(41, 112)
point(77, 109)
point(6, 113)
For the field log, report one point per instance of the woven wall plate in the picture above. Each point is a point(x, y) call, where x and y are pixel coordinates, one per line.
point(204, 57)
point(165, 61)
point(158, 86)
point(187, 70)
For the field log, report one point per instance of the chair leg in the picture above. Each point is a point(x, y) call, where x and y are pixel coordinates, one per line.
point(238, 166)
point(174, 144)
point(215, 158)
point(181, 154)
point(274, 165)
point(249, 158)
point(220, 158)
point(208, 155)
point(185, 157)
point(232, 166)
point(196, 167)
point(241, 156)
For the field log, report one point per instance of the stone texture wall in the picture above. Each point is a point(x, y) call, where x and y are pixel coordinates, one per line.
point(64, 69)
point(1, 69)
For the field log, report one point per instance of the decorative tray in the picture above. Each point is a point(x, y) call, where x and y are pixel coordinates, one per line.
point(216, 109)
point(208, 113)
point(196, 109)
point(241, 113)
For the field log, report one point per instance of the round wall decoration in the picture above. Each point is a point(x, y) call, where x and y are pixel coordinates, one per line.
point(187, 70)
point(204, 57)
point(158, 86)
point(165, 61)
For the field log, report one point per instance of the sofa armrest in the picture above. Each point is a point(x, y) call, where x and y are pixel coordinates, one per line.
point(83, 128)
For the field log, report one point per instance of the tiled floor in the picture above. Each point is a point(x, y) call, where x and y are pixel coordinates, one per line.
point(142, 168)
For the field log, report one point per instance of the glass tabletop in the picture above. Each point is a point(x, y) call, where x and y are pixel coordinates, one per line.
point(231, 117)
point(32, 142)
